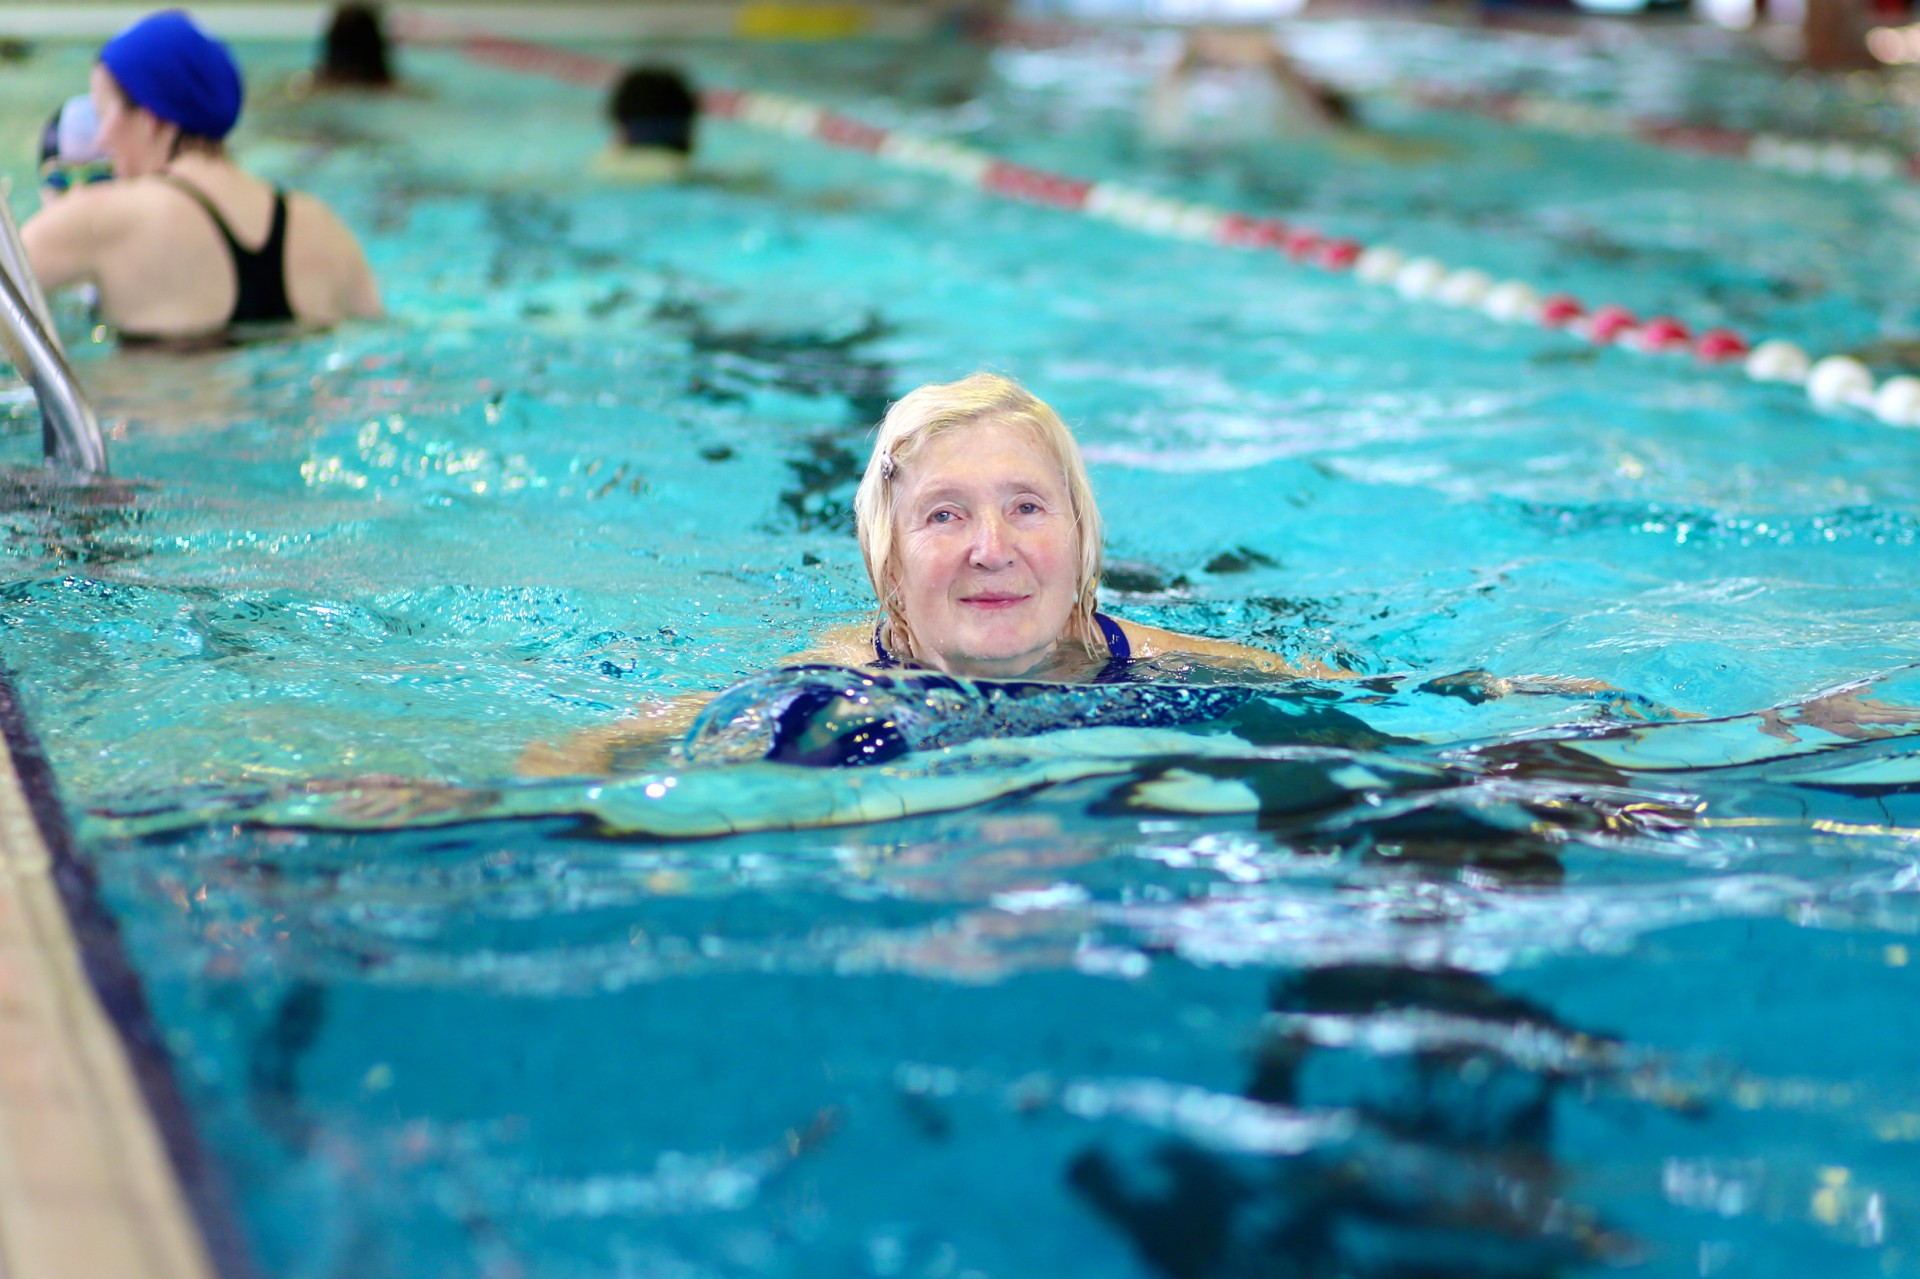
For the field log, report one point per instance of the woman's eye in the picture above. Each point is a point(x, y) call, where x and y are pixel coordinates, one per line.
point(1028, 508)
point(940, 517)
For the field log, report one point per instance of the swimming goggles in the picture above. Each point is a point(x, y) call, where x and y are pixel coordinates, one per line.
point(61, 178)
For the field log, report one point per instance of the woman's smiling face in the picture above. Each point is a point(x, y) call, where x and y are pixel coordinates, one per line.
point(988, 551)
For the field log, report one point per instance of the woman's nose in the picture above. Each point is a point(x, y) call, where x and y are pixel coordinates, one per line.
point(992, 544)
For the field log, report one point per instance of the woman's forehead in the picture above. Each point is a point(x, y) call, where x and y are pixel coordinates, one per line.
point(991, 444)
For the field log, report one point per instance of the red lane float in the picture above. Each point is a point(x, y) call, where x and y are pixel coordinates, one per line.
point(1035, 186)
point(1337, 255)
point(1664, 333)
point(1560, 310)
point(518, 55)
point(1717, 345)
point(844, 131)
point(1609, 322)
point(1242, 232)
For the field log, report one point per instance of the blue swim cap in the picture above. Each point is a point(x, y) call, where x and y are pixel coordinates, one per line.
point(177, 71)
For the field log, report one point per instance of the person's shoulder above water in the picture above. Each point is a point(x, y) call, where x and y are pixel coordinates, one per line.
point(849, 645)
point(641, 165)
point(854, 645)
point(328, 276)
point(153, 250)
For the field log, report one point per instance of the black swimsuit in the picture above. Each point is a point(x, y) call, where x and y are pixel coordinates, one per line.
point(260, 275)
point(1119, 651)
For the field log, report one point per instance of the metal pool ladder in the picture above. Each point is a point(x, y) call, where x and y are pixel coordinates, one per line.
point(69, 432)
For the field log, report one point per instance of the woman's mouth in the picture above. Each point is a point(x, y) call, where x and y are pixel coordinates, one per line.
point(993, 600)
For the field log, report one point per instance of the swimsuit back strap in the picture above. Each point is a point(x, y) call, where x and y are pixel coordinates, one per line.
point(262, 294)
point(260, 278)
point(199, 197)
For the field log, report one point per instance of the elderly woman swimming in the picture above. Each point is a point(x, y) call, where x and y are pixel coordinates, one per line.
point(984, 546)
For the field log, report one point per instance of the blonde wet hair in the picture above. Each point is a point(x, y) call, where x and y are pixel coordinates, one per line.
point(939, 408)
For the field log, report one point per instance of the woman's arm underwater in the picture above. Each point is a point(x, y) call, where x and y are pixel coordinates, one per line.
point(597, 751)
point(649, 734)
point(656, 729)
point(1473, 685)
point(1155, 641)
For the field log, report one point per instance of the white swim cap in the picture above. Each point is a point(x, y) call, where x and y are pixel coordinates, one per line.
point(72, 136)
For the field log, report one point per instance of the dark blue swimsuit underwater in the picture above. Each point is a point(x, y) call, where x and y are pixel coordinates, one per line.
point(1119, 651)
point(835, 716)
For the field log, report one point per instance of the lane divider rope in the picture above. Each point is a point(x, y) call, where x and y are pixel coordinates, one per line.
point(1833, 383)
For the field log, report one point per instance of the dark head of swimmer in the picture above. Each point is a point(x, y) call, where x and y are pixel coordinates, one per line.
point(654, 107)
point(353, 53)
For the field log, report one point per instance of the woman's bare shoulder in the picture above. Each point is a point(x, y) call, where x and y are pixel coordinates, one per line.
point(1156, 641)
point(849, 645)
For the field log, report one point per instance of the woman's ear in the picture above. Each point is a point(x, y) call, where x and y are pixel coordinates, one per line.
point(166, 137)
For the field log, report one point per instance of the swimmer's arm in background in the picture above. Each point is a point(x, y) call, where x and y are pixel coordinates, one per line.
point(1153, 641)
point(1327, 108)
point(65, 239)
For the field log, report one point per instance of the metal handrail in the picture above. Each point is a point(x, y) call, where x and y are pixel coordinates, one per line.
point(69, 432)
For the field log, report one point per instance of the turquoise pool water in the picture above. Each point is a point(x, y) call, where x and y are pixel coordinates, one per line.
point(1535, 1010)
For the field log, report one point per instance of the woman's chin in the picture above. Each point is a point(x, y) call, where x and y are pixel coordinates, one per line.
point(996, 662)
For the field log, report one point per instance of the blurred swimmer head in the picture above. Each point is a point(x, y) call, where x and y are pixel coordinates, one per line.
point(354, 49)
point(654, 107)
point(70, 153)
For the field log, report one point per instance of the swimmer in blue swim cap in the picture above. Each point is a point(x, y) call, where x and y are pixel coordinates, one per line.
point(186, 244)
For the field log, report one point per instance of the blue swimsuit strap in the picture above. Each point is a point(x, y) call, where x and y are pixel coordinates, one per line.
point(1119, 651)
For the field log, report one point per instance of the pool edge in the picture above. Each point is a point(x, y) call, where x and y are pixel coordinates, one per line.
point(100, 1170)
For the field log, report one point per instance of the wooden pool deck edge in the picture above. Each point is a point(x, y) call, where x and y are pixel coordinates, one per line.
point(86, 1185)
